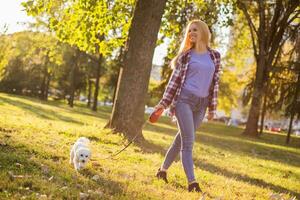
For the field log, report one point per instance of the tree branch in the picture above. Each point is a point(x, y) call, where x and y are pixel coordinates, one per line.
point(253, 30)
point(278, 35)
point(294, 17)
point(274, 20)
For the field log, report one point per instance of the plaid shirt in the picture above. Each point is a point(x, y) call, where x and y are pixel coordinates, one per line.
point(177, 79)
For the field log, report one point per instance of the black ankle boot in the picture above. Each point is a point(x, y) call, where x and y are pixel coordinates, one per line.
point(194, 187)
point(162, 175)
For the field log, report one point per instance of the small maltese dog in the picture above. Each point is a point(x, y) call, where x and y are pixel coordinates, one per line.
point(80, 153)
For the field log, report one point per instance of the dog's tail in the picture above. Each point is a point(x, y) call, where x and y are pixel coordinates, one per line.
point(83, 140)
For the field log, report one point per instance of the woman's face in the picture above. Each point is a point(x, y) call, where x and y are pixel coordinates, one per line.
point(194, 34)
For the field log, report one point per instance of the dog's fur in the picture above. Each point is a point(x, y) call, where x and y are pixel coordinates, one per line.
point(80, 153)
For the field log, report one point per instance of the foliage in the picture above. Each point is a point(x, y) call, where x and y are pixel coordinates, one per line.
point(238, 65)
point(97, 28)
point(29, 55)
point(92, 26)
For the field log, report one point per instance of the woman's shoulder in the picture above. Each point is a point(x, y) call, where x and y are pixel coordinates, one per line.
point(215, 52)
point(183, 55)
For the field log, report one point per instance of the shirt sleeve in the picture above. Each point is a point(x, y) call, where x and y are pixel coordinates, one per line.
point(172, 86)
point(213, 96)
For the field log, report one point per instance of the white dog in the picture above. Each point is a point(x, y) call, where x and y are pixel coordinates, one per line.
point(80, 153)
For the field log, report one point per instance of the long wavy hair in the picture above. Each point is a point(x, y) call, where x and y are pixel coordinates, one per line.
point(186, 44)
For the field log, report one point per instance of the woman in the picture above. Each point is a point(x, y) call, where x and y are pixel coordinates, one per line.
point(192, 88)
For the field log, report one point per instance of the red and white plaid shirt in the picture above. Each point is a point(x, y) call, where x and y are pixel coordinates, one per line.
point(177, 79)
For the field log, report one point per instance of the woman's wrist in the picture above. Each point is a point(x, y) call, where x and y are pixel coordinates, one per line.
point(211, 115)
point(162, 104)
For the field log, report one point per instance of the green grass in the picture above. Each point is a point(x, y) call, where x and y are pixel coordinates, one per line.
point(35, 139)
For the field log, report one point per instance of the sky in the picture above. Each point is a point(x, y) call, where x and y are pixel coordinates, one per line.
point(11, 14)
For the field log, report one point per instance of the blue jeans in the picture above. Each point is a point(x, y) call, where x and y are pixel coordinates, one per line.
point(189, 111)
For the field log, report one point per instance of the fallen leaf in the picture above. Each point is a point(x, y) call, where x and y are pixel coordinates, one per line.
point(19, 165)
point(96, 177)
point(203, 196)
point(83, 196)
point(43, 196)
point(50, 178)
point(95, 164)
point(45, 169)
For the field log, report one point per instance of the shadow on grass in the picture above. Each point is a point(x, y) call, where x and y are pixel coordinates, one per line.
point(230, 139)
point(280, 139)
point(102, 112)
point(244, 178)
point(39, 111)
point(267, 137)
point(170, 130)
point(51, 114)
point(244, 146)
point(221, 129)
point(149, 147)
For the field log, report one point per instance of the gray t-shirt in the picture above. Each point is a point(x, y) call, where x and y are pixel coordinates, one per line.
point(199, 74)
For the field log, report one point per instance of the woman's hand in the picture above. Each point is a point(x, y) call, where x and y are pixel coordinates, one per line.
point(210, 116)
point(154, 116)
point(159, 106)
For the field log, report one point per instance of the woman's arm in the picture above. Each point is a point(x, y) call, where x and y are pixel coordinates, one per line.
point(172, 86)
point(213, 100)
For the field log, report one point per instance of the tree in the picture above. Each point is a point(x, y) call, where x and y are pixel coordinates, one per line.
point(29, 60)
point(267, 36)
point(95, 27)
point(238, 67)
point(285, 82)
point(4, 48)
point(51, 54)
point(295, 106)
point(128, 110)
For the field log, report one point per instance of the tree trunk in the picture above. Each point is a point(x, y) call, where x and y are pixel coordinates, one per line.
point(89, 92)
point(262, 118)
point(290, 128)
point(46, 93)
point(120, 57)
point(293, 109)
point(115, 88)
point(264, 109)
point(129, 104)
point(43, 84)
point(96, 92)
point(253, 117)
point(72, 87)
point(73, 80)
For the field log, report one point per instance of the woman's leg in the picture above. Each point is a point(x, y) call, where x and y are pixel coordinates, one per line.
point(199, 114)
point(184, 115)
point(172, 152)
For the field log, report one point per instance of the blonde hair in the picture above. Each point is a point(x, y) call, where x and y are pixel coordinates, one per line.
point(186, 44)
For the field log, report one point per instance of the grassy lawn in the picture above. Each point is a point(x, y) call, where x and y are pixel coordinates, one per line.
point(35, 139)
